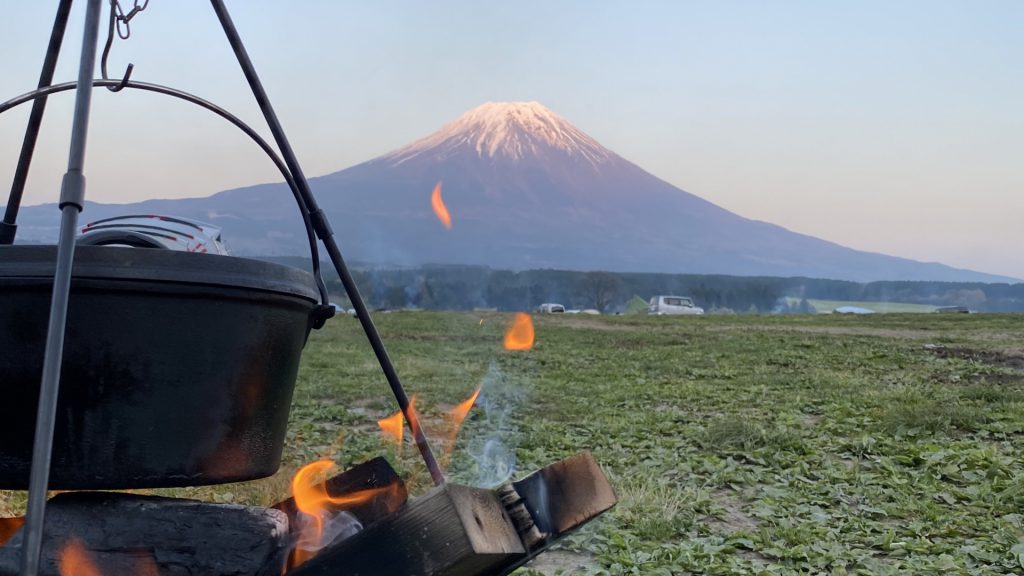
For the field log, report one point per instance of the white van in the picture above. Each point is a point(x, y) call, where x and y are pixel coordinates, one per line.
point(669, 305)
point(548, 308)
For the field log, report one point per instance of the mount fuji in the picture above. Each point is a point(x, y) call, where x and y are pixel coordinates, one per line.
point(525, 189)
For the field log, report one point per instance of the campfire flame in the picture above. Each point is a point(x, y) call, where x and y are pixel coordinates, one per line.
point(459, 412)
point(147, 567)
point(519, 335)
point(75, 560)
point(414, 417)
point(439, 208)
point(393, 427)
point(9, 526)
point(456, 415)
point(323, 517)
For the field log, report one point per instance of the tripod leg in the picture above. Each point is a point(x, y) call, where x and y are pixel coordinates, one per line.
point(71, 199)
point(8, 227)
point(326, 235)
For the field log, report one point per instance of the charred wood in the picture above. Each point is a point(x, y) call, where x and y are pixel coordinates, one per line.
point(563, 496)
point(553, 502)
point(152, 536)
point(450, 531)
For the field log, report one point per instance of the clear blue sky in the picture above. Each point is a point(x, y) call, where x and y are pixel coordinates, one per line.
point(891, 126)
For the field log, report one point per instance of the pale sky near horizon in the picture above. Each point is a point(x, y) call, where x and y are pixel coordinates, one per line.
point(888, 126)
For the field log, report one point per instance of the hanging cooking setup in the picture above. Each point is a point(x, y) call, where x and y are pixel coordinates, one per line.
point(117, 367)
point(139, 354)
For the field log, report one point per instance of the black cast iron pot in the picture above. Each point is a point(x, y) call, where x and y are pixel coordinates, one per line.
point(178, 368)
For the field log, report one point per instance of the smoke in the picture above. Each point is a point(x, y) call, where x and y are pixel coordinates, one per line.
point(415, 291)
point(492, 445)
point(495, 461)
point(314, 533)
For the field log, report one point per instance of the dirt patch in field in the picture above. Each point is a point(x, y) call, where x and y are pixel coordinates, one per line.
point(591, 323)
point(733, 519)
point(987, 357)
point(831, 331)
point(563, 562)
point(810, 420)
point(641, 343)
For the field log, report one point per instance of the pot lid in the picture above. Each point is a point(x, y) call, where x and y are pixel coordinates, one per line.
point(148, 264)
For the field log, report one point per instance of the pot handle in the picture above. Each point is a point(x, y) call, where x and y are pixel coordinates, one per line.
point(252, 134)
point(118, 237)
point(320, 315)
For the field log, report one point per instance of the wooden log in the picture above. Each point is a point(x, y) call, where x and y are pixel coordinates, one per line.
point(375, 473)
point(450, 531)
point(567, 494)
point(461, 531)
point(152, 536)
point(553, 502)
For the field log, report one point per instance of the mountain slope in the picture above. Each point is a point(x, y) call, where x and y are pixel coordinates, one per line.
point(526, 189)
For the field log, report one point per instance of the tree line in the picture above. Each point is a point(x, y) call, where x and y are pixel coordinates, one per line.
point(457, 287)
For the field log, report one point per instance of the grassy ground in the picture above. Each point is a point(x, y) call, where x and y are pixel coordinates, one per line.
point(889, 444)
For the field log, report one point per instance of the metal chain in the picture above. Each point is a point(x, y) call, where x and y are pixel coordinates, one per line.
point(120, 22)
point(124, 29)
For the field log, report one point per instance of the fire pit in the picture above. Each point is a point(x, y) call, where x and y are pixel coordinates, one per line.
point(451, 530)
point(178, 367)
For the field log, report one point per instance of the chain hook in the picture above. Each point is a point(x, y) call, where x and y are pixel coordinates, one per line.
point(119, 23)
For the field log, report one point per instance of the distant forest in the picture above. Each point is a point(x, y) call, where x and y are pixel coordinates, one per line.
point(456, 287)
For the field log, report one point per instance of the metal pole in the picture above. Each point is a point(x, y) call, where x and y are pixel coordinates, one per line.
point(72, 195)
point(326, 235)
point(8, 228)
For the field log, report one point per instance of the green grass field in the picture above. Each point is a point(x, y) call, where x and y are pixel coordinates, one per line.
point(889, 444)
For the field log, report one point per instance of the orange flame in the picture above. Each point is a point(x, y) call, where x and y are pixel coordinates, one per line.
point(75, 560)
point(414, 417)
point(8, 526)
point(459, 412)
point(519, 335)
point(456, 415)
point(147, 567)
point(311, 498)
point(393, 427)
point(439, 208)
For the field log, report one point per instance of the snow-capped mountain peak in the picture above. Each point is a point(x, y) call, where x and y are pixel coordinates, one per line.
point(509, 130)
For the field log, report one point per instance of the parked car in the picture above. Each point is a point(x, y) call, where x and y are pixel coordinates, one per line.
point(154, 231)
point(550, 308)
point(673, 305)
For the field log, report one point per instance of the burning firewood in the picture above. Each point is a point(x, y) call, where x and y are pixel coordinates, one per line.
point(457, 530)
point(452, 530)
point(375, 473)
point(364, 494)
